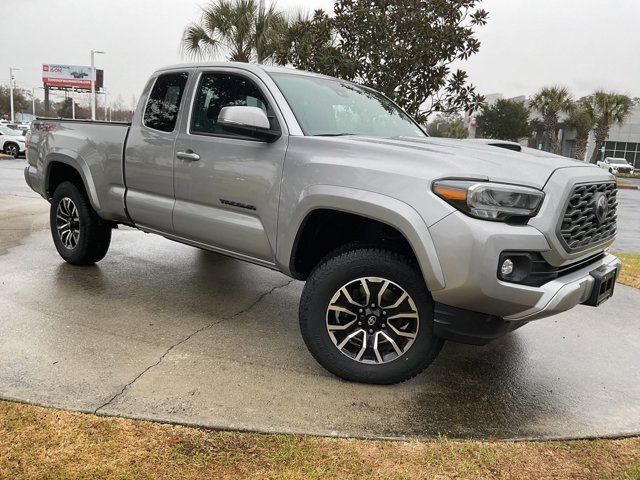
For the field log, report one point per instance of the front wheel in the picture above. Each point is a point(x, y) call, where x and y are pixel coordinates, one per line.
point(79, 234)
point(366, 316)
point(12, 149)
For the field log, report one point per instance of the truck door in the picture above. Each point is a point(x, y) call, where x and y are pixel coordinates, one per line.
point(227, 186)
point(148, 160)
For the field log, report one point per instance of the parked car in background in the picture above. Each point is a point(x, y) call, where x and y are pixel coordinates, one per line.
point(616, 165)
point(12, 142)
point(22, 128)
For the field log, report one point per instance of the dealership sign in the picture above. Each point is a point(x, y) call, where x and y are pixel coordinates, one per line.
point(66, 76)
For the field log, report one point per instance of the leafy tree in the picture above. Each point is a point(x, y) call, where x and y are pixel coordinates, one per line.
point(550, 102)
point(312, 44)
point(606, 108)
point(581, 118)
point(20, 101)
point(403, 48)
point(63, 109)
point(505, 120)
point(240, 28)
point(66, 110)
point(448, 126)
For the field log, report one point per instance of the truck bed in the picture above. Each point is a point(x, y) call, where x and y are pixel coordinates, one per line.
point(93, 148)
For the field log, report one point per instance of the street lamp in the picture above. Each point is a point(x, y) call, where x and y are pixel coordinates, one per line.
point(105, 105)
point(93, 84)
point(11, 80)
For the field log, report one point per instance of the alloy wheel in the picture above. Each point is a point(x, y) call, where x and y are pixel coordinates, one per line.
point(372, 320)
point(12, 150)
point(68, 223)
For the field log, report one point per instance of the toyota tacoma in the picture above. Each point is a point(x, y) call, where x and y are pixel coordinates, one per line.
point(404, 241)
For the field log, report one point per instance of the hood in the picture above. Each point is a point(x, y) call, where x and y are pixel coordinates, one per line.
point(431, 157)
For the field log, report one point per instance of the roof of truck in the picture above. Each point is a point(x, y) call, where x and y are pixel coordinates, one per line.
point(252, 67)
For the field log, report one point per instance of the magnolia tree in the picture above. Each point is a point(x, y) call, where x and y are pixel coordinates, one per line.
point(505, 120)
point(403, 48)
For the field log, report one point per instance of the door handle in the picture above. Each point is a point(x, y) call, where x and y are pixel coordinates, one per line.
point(188, 155)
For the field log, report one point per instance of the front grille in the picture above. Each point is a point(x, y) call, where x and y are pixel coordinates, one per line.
point(581, 227)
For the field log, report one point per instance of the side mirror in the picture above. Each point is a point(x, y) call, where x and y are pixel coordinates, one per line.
point(248, 121)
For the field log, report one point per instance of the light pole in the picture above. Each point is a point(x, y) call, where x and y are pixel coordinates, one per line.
point(11, 80)
point(73, 103)
point(93, 84)
point(105, 105)
point(33, 102)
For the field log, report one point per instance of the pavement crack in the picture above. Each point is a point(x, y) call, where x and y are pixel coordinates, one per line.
point(189, 337)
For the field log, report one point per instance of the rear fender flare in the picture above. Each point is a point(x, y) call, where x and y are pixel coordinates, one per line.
point(80, 166)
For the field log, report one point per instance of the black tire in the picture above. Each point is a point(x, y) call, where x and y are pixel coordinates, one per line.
point(12, 149)
point(346, 266)
point(94, 233)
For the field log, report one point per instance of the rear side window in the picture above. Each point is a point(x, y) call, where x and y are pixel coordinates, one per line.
point(161, 112)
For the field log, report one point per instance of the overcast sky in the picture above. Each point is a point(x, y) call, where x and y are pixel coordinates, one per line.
point(582, 44)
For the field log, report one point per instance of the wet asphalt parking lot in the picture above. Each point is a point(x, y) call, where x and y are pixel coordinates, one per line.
point(163, 331)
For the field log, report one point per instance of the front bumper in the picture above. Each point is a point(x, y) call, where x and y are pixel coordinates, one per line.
point(469, 260)
point(566, 292)
point(469, 249)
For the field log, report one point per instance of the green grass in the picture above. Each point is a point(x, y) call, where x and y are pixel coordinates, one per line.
point(630, 274)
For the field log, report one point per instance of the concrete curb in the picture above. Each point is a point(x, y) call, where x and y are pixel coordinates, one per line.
point(346, 435)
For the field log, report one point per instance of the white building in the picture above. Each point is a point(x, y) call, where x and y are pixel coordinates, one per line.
point(624, 140)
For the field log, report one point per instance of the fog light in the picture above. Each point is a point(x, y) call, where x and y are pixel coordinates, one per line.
point(507, 268)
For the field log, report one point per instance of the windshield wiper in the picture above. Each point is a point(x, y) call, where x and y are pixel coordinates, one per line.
point(333, 134)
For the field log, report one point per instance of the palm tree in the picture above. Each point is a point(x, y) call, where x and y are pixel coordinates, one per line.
point(582, 120)
point(550, 102)
point(606, 108)
point(243, 29)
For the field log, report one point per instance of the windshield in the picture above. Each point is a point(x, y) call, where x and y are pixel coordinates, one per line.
point(9, 131)
point(619, 161)
point(333, 107)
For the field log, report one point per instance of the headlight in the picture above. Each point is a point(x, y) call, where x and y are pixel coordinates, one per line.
point(489, 201)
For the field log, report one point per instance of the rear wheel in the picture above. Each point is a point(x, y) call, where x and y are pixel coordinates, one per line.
point(366, 316)
point(79, 234)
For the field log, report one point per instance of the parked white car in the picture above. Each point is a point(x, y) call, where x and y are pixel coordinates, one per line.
point(19, 127)
point(12, 142)
point(616, 165)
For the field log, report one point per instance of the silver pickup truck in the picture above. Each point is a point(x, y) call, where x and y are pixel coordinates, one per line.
point(404, 240)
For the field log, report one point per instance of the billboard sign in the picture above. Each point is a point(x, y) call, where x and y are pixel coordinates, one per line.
point(66, 76)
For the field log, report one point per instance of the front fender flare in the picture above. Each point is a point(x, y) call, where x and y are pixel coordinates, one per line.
point(376, 206)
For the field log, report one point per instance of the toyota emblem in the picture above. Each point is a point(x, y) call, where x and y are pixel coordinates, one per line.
point(602, 208)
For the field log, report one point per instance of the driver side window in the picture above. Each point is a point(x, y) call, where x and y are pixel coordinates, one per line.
point(219, 90)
